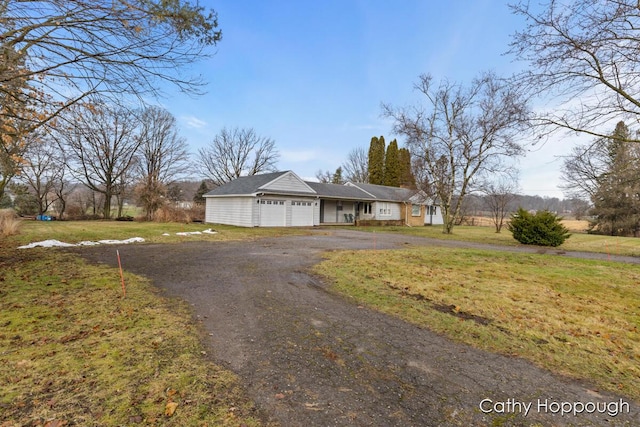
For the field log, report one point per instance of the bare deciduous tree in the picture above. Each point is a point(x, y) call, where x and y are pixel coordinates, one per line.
point(585, 54)
point(499, 194)
point(42, 170)
point(582, 170)
point(163, 157)
point(70, 49)
point(461, 134)
point(102, 143)
point(324, 177)
point(237, 152)
point(62, 190)
point(356, 167)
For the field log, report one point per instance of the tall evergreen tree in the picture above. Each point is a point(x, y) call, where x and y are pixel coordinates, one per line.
point(198, 198)
point(392, 165)
point(337, 176)
point(406, 173)
point(616, 202)
point(376, 160)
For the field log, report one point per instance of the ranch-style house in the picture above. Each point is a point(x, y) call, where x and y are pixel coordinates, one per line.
point(282, 199)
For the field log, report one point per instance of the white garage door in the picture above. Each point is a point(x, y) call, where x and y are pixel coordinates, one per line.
point(301, 213)
point(272, 213)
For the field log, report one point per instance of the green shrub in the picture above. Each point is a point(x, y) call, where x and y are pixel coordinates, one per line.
point(543, 228)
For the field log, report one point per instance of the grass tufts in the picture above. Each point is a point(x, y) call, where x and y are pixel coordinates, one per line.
point(9, 223)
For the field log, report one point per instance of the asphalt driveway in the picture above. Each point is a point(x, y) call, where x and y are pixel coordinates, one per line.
point(310, 357)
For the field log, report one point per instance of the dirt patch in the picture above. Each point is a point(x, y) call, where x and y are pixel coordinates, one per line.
point(310, 357)
point(443, 308)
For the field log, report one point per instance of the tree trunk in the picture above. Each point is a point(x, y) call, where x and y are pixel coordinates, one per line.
point(106, 210)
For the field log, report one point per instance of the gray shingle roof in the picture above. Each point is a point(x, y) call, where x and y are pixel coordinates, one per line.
point(338, 191)
point(392, 194)
point(244, 184)
point(247, 185)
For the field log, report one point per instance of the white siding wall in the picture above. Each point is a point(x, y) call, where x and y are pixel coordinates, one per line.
point(395, 208)
point(288, 182)
point(230, 210)
point(316, 212)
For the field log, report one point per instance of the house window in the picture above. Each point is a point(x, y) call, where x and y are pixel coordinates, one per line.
point(366, 207)
point(384, 209)
point(415, 210)
point(433, 210)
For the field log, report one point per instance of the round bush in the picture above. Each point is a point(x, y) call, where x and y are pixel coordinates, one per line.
point(542, 228)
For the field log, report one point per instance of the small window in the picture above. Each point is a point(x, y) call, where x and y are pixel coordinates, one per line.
point(366, 208)
point(384, 209)
point(415, 210)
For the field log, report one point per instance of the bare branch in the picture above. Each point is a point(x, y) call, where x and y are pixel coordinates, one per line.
point(584, 55)
point(237, 152)
point(356, 167)
point(115, 48)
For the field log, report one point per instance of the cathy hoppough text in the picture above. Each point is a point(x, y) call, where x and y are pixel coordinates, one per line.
point(513, 406)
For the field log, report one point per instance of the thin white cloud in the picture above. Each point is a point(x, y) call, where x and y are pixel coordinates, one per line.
point(194, 122)
point(298, 156)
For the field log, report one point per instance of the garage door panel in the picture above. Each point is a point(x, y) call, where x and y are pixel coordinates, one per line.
point(272, 213)
point(301, 213)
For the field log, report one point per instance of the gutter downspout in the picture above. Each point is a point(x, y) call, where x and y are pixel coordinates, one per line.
point(406, 215)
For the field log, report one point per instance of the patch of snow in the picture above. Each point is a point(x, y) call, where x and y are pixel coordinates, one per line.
point(127, 241)
point(46, 244)
point(188, 233)
point(57, 243)
point(166, 234)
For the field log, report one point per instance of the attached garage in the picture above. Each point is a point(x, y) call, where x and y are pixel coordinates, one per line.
point(279, 199)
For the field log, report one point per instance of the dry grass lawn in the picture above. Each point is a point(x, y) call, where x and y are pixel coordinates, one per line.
point(75, 351)
point(575, 317)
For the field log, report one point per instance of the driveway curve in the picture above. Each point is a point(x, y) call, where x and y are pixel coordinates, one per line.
point(309, 357)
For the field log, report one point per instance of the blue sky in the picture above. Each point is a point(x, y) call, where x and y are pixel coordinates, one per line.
point(312, 75)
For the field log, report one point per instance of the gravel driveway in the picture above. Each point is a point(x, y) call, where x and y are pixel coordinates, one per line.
point(309, 357)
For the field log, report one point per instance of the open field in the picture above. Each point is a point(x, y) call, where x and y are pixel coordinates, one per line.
point(575, 317)
point(580, 242)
